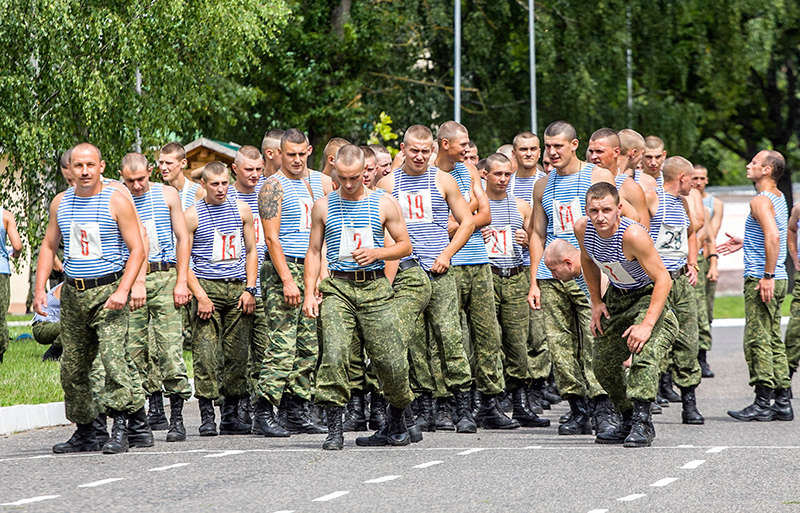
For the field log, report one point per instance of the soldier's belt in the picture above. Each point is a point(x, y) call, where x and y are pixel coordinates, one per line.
point(677, 273)
point(358, 276)
point(405, 265)
point(294, 260)
point(153, 267)
point(90, 283)
point(508, 272)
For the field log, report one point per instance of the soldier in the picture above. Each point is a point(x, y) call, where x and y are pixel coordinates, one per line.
point(370, 168)
point(631, 149)
point(630, 321)
point(270, 150)
point(330, 153)
point(95, 223)
point(764, 288)
point(223, 282)
point(383, 161)
point(171, 162)
point(472, 153)
point(357, 297)
point(654, 155)
point(792, 338)
point(9, 228)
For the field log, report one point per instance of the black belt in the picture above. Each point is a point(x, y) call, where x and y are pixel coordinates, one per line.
point(90, 283)
point(294, 260)
point(405, 265)
point(153, 267)
point(677, 273)
point(359, 276)
point(508, 272)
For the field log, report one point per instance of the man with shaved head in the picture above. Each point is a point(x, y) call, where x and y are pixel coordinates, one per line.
point(270, 150)
point(654, 155)
point(631, 148)
point(330, 153)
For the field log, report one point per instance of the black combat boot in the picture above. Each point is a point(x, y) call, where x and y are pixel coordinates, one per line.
point(565, 418)
point(605, 420)
point(426, 419)
point(335, 438)
point(393, 433)
point(297, 419)
point(550, 392)
point(118, 443)
point(705, 370)
point(414, 431)
point(377, 411)
point(791, 375)
point(579, 423)
point(642, 430)
point(177, 431)
point(492, 417)
point(522, 412)
point(476, 405)
point(53, 353)
point(660, 401)
point(100, 425)
point(466, 422)
point(534, 400)
point(665, 388)
point(619, 433)
point(655, 408)
point(759, 410)
point(283, 410)
point(246, 411)
point(82, 440)
point(207, 425)
point(538, 386)
point(264, 422)
point(139, 432)
point(690, 415)
point(156, 417)
point(444, 417)
point(354, 419)
point(231, 424)
point(782, 409)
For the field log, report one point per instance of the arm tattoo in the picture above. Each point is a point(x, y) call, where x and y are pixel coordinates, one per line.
point(270, 198)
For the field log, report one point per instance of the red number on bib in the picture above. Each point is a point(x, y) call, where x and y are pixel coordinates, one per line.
point(84, 243)
point(357, 240)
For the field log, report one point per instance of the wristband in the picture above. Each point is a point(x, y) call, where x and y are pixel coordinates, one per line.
point(713, 256)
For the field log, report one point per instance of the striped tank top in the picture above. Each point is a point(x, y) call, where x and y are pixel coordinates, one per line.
point(154, 213)
point(474, 251)
point(218, 250)
point(426, 213)
point(620, 179)
point(708, 202)
point(295, 216)
point(564, 202)
point(522, 187)
point(252, 201)
point(607, 254)
point(637, 177)
point(188, 193)
point(669, 230)
point(755, 257)
point(350, 225)
point(314, 180)
point(93, 243)
point(503, 250)
point(5, 267)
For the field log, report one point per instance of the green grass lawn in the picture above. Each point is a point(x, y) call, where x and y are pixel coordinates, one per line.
point(732, 307)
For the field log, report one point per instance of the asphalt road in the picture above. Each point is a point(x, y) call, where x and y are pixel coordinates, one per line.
point(723, 466)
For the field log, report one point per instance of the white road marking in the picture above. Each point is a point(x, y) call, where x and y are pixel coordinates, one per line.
point(285, 511)
point(31, 500)
point(665, 481)
point(223, 454)
point(330, 496)
point(381, 479)
point(428, 464)
point(693, 464)
point(101, 482)
point(599, 511)
point(471, 451)
point(168, 467)
point(533, 447)
point(685, 446)
point(632, 497)
point(715, 450)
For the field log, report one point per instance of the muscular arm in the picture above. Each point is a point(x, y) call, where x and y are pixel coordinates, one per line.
point(182, 247)
point(791, 235)
point(313, 262)
point(479, 203)
point(123, 211)
point(270, 200)
point(634, 195)
point(460, 210)
point(47, 253)
point(538, 231)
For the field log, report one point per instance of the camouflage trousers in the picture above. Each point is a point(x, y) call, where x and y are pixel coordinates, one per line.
point(479, 326)
point(89, 329)
point(360, 375)
point(683, 352)
point(567, 316)
point(259, 342)
point(539, 364)
point(764, 350)
point(792, 339)
point(291, 355)
point(5, 299)
point(159, 352)
point(628, 308)
point(366, 306)
point(511, 306)
point(219, 346)
point(47, 333)
point(412, 293)
point(701, 298)
point(188, 321)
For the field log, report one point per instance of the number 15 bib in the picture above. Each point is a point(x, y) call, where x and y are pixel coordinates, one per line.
point(84, 241)
point(227, 247)
point(564, 216)
point(416, 206)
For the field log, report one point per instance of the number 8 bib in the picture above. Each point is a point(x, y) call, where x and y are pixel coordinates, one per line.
point(84, 241)
point(416, 206)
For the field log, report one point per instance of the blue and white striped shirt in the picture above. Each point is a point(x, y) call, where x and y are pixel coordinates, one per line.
point(669, 230)
point(522, 187)
point(506, 220)
point(252, 201)
point(608, 255)
point(314, 180)
point(188, 194)
point(225, 222)
point(295, 216)
point(755, 256)
point(154, 212)
point(474, 251)
point(353, 217)
point(5, 266)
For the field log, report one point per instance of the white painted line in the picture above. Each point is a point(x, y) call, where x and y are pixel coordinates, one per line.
point(665, 481)
point(715, 450)
point(693, 464)
point(738, 323)
point(381, 479)
point(43, 456)
point(685, 446)
point(285, 511)
point(330, 496)
point(428, 464)
point(101, 482)
point(31, 500)
point(599, 511)
point(223, 454)
point(168, 467)
point(471, 451)
point(632, 497)
point(533, 447)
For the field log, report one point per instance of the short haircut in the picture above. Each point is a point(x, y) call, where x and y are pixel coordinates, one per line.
point(450, 130)
point(418, 132)
point(271, 140)
point(776, 161)
point(700, 166)
point(133, 162)
point(506, 150)
point(90, 145)
point(367, 151)
point(557, 128)
point(350, 154)
point(496, 158)
point(63, 162)
point(246, 152)
point(653, 142)
point(606, 133)
point(674, 166)
point(213, 169)
point(481, 165)
point(472, 144)
point(379, 148)
point(294, 136)
point(174, 148)
point(523, 135)
point(557, 250)
point(629, 140)
point(333, 146)
point(600, 190)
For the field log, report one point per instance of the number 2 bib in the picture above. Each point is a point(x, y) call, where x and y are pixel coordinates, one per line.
point(352, 239)
point(672, 241)
point(305, 213)
point(615, 272)
point(564, 216)
point(501, 242)
point(227, 247)
point(84, 241)
point(416, 206)
point(152, 234)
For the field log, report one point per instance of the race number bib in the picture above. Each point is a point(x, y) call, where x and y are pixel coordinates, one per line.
point(259, 230)
point(84, 241)
point(305, 213)
point(152, 234)
point(416, 206)
point(501, 242)
point(564, 216)
point(227, 247)
point(672, 241)
point(615, 272)
point(352, 239)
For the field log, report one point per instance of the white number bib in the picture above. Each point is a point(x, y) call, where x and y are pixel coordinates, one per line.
point(305, 214)
point(259, 229)
point(152, 234)
point(615, 272)
point(352, 239)
point(564, 216)
point(416, 206)
point(84, 241)
point(501, 243)
point(227, 247)
point(672, 241)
